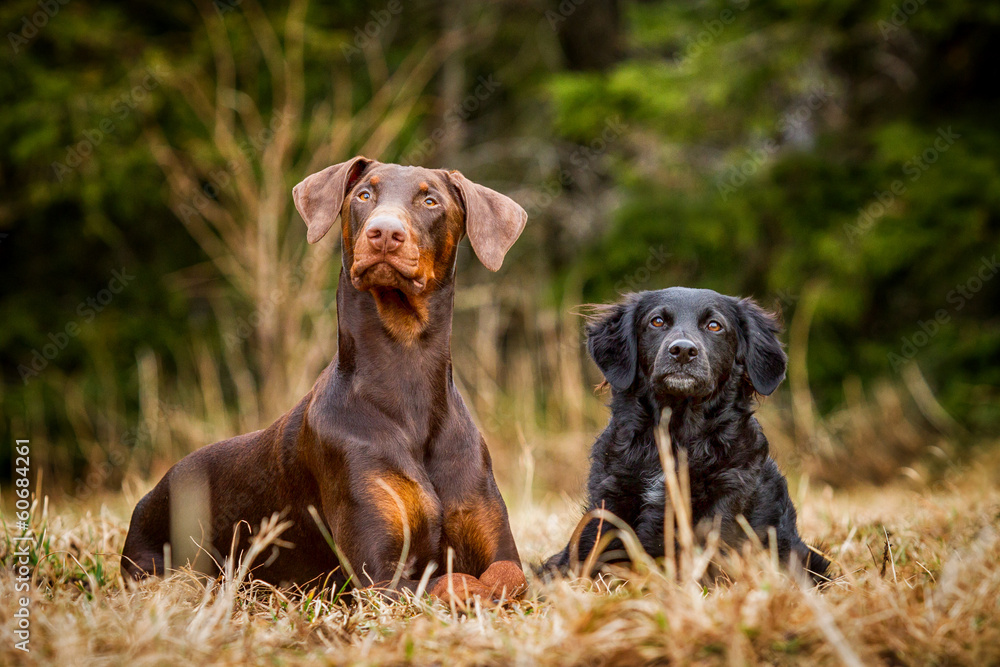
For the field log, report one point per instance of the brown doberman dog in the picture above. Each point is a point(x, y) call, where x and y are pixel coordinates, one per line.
point(382, 447)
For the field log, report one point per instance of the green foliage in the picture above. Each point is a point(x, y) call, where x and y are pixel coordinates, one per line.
point(842, 187)
point(762, 142)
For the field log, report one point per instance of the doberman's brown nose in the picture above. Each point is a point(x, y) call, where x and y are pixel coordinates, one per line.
point(385, 233)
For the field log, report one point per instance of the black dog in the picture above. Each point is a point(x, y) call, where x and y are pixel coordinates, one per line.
point(706, 357)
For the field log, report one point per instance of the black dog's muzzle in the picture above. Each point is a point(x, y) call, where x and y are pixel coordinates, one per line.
point(682, 370)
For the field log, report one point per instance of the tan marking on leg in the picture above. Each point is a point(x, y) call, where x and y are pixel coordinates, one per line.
point(416, 503)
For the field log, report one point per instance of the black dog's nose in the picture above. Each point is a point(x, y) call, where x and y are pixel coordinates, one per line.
point(385, 233)
point(683, 350)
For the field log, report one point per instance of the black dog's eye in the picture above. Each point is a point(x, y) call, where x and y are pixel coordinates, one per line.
point(713, 326)
point(364, 195)
point(657, 321)
point(430, 202)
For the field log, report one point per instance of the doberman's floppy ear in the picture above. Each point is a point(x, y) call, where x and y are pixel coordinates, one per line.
point(763, 357)
point(493, 221)
point(320, 197)
point(612, 344)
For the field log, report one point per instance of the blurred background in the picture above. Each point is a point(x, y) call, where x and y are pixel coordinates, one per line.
point(836, 160)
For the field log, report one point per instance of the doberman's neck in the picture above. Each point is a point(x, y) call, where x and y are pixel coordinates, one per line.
point(368, 348)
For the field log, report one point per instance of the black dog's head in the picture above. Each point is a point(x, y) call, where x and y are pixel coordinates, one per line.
point(682, 343)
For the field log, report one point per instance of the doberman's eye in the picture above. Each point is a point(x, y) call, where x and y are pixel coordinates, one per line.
point(657, 321)
point(714, 326)
point(364, 195)
point(430, 202)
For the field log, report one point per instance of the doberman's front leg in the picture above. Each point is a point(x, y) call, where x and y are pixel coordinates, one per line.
point(479, 532)
point(390, 534)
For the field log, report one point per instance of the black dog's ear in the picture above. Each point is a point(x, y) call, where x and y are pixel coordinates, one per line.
point(320, 196)
point(612, 345)
point(763, 357)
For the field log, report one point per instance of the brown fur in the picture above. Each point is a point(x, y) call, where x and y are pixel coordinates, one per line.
point(382, 447)
point(402, 502)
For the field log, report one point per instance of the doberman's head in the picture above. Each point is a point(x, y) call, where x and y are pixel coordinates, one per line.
point(401, 227)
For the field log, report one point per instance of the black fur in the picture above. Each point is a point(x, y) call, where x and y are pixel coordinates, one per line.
point(710, 381)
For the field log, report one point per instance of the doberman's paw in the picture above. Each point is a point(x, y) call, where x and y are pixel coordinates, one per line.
point(505, 579)
point(462, 590)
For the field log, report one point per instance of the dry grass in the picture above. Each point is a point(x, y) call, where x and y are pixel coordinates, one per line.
point(931, 596)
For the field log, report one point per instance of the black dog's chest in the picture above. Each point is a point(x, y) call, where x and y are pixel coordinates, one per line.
point(711, 474)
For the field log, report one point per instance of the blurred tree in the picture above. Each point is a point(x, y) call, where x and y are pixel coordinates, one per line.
point(849, 148)
point(836, 159)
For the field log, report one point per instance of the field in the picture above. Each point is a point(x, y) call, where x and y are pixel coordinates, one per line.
point(919, 585)
point(837, 162)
